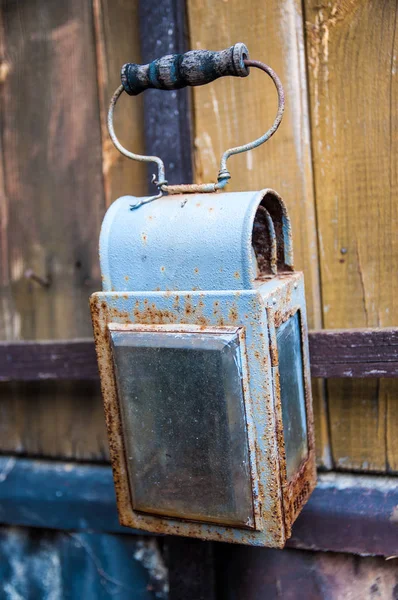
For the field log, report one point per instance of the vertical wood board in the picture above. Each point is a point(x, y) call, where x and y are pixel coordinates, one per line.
point(352, 62)
point(117, 42)
point(233, 111)
point(257, 573)
point(52, 205)
point(167, 114)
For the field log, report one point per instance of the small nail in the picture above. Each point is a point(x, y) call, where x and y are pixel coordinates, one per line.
point(30, 274)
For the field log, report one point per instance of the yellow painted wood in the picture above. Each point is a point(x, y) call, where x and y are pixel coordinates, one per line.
point(118, 42)
point(233, 111)
point(388, 388)
point(352, 51)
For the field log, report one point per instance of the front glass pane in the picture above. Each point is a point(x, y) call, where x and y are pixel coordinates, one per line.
point(184, 424)
point(291, 378)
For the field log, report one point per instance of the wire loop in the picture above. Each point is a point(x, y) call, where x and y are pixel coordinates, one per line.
point(223, 174)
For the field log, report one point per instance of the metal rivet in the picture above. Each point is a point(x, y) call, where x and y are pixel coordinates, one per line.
point(273, 300)
point(295, 286)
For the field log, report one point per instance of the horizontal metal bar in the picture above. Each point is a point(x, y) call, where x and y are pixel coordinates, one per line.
point(346, 513)
point(334, 353)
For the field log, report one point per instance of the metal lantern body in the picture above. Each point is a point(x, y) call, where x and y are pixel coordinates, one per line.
point(201, 337)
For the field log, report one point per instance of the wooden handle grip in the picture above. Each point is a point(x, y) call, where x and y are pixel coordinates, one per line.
point(175, 71)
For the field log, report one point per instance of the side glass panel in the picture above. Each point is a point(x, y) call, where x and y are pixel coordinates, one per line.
point(290, 358)
point(184, 424)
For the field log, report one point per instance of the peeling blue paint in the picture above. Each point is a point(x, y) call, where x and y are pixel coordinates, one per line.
point(53, 565)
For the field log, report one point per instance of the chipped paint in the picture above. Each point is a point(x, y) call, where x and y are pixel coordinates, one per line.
point(211, 255)
point(216, 228)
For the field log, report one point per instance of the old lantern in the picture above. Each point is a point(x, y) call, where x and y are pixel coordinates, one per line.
point(201, 338)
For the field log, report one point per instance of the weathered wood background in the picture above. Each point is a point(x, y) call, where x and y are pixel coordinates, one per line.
point(334, 160)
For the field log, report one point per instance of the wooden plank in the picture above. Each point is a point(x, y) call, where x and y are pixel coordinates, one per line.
point(52, 207)
point(345, 513)
point(6, 306)
point(254, 573)
point(350, 513)
point(388, 391)
point(167, 115)
point(117, 42)
point(352, 50)
point(365, 353)
point(57, 495)
point(42, 361)
point(233, 111)
point(354, 353)
point(44, 564)
point(168, 135)
point(191, 568)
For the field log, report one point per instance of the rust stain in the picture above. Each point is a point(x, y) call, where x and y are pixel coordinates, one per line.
point(233, 314)
point(296, 492)
point(188, 308)
point(237, 275)
point(152, 315)
point(99, 311)
point(286, 498)
point(264, 243)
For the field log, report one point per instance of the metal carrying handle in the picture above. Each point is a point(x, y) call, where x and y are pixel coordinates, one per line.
point(176, 71)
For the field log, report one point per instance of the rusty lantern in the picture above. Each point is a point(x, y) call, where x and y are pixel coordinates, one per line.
point(201, 338)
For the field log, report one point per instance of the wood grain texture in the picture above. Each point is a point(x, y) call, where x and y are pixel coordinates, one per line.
point(52, 207)
point(68, 360)
point(257, 573)
point(117, 42)
point(191, 567)
point(352, 52)
point(167, 115)
point(354, 353)
point(230, 112)
point(350, 513)
point(346, 513)
point(365, 353)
